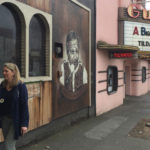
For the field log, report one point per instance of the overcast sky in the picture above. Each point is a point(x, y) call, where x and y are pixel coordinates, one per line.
point(148, 5)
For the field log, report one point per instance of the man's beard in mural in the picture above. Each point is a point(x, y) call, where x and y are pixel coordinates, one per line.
point(73, 60)
point(74, 74)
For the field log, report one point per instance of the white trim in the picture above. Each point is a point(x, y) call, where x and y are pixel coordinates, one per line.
point(28, 12)
point(50, 46)
point(27, 52)
point(34, 79)
point(81, 5)
point(89, 10)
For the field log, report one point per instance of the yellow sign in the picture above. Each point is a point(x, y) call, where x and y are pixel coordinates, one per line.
point(134, 12)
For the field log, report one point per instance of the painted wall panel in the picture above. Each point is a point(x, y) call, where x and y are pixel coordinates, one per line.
point(69, 96)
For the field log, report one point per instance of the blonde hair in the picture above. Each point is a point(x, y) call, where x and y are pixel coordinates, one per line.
point(17, 78)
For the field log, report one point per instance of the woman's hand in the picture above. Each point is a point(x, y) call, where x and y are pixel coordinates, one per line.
point(23, 130)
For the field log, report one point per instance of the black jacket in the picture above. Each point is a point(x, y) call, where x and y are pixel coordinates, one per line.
point(19, 108)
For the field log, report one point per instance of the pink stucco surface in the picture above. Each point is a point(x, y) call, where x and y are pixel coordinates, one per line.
point(105, 102)
point(137, 88)
point(107, 30)
point(124, 3)
point(107, 20)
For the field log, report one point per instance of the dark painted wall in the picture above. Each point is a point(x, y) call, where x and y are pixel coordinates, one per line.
point(68, 16)
point(92, 5)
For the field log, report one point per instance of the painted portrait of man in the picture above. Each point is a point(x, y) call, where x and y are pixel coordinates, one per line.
point(74, 73)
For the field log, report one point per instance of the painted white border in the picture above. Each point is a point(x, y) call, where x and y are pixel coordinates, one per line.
point(28, 13)
point(89, 10)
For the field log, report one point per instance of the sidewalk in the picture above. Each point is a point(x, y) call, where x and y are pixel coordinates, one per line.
point(110, 131)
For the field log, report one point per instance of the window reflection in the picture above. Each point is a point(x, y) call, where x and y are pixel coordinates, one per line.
point(10, 36)
point(112, 79)
point(37, 37)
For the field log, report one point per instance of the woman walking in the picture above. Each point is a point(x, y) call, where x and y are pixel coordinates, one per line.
point(14, 114)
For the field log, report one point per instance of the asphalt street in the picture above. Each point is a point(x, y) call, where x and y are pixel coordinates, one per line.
point(109, 131)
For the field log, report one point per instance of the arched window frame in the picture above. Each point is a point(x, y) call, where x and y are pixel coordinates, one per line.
point(13, 10)
point(47, 31)
point(28, 12)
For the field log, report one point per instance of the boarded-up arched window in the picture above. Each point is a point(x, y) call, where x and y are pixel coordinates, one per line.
point(10, 36)
point(37, 47)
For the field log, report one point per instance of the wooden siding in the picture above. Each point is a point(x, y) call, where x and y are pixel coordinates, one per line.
point(40, 105)
point(44, 5)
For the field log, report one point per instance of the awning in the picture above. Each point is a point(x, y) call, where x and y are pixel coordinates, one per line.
point(144, 55)
point(101, 45)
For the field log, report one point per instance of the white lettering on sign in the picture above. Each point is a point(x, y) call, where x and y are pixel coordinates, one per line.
point(137, 34)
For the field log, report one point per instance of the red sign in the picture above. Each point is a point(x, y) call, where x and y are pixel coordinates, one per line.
point(121, 55)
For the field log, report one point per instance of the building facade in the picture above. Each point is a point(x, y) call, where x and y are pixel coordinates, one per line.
point(53, 44)
point(122, 65)
point(74, 61)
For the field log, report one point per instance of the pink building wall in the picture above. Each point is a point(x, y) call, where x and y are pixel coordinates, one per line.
point(107, 21)
point(140, 88)
point(105, 102)
point(137, 88)
point(124, 3)
point(107, 30)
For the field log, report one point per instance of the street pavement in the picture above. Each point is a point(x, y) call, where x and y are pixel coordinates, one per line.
point(109, 131)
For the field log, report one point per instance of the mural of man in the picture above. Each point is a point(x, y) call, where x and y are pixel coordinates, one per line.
point(74, 74)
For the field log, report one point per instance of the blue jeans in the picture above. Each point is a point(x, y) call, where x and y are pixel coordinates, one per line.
point(8, 132)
